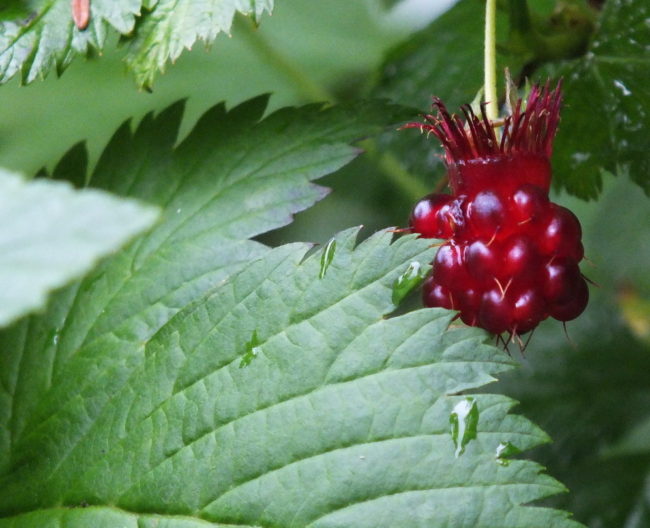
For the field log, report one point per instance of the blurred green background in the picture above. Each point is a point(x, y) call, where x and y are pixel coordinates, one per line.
point(591, 391)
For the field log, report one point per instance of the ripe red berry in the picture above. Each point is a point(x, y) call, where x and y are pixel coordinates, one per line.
point(496, 314)
point(449, 266)
point(485, 214)
point(436, 296)
point(512, 256)
point(483, 262)
point(425, 216)
point(528, 203)
point(437, 216)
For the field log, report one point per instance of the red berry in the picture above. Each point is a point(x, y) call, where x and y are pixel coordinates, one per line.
point(436, 296)
point(483, 261)
point(529, 310)
point(512, 256)
point(485, 214)
point(561, 280)
point(496, 312)
point(449, 266)
point(561, 234)
point(434, 216)
point(519, 257)
point(573, 306)
point(528, 203)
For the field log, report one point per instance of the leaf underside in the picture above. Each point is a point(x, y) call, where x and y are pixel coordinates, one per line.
point(35, 40)
point(127, 403)
point(52, 234)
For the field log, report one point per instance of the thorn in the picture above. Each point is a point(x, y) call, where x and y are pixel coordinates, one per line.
point(505, 346)
point(525, 221)
point(589, 261)
point(437, 245)
point(517, 337)
point(400, 230)
point(528, 341)
point(594, 283)
point(451, 301)
point(568, 337)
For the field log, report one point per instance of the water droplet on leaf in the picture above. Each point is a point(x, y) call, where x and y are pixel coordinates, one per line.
point(327, 257)
point(407, 281)
point(464, 421)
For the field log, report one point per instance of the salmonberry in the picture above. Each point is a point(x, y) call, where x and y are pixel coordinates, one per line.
point(511, 256)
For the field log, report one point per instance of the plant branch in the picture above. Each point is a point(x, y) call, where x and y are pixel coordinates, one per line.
point(388, 164)
point(304, 84)
point(490, 65)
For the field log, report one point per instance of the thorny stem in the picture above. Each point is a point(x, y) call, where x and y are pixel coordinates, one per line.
point(490, 64)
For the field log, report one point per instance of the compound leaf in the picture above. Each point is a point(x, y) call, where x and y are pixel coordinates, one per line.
point(35, 38)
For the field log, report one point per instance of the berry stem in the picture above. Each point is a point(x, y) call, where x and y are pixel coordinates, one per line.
point(490, 65)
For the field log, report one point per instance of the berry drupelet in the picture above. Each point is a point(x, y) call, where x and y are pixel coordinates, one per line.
point(511, 256)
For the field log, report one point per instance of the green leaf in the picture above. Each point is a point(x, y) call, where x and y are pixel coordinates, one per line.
point(607, 104)
point(341, 420)
point(175, 25)
point(48, 37)
point(232, 178)
point(52, 234)
point(158, 30)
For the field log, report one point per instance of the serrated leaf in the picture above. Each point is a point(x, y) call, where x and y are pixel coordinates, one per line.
point(48, 38)
point(174, 25)
point(607, 103)
point(52, 234)
point(232, 178)
point(341, 420)
point(160, 30)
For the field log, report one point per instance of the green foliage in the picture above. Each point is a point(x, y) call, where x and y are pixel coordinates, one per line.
point(157, 32)
point(337, 422)
point(199, 378)
point(149, 398)
point(174, 25)
point(607, 104)
point(52, 234)
point(606, 91)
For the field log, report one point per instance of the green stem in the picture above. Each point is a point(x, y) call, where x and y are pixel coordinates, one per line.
point(305, 85)
point(387, 163)
point(393, 169)
point(492, 106)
